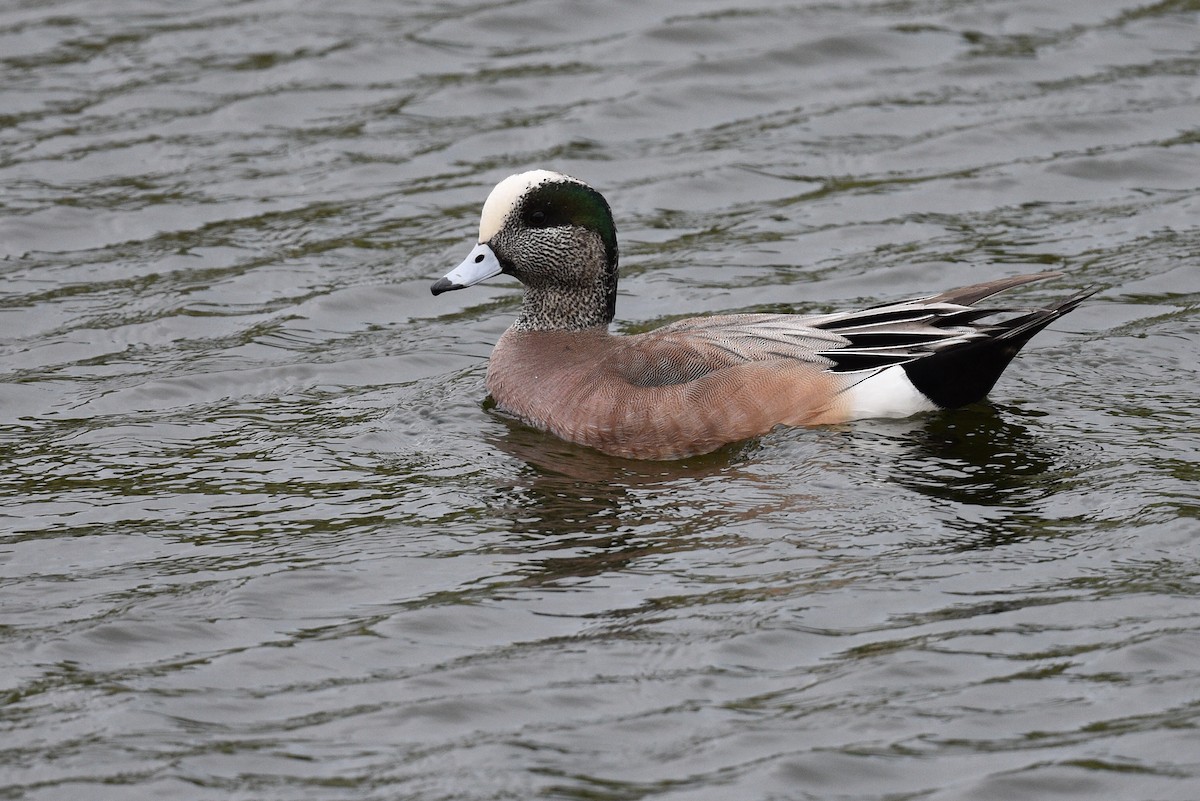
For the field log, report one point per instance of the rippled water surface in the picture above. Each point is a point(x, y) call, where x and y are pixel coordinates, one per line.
point(261, 537)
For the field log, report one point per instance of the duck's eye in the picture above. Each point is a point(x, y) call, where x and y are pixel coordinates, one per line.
point(538, 218)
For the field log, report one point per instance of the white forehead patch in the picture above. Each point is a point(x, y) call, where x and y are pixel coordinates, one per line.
point(507, 193)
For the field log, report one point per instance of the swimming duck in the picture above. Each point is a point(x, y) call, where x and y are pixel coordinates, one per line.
point(694, 385)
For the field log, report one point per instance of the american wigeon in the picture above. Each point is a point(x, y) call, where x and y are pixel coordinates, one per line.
point(694, 385)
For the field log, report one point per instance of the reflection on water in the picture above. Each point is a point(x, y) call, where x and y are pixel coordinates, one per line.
point(259, 538)
point(595, 507)
point(984, 460)
point(982, 457)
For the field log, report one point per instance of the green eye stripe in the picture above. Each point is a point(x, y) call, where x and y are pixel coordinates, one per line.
point(562, 203)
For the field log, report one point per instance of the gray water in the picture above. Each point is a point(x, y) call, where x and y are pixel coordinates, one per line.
point(262, 537)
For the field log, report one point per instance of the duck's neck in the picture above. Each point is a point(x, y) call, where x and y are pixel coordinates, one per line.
point(554, 309)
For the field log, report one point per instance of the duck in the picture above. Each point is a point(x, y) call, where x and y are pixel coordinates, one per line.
point(695, 385)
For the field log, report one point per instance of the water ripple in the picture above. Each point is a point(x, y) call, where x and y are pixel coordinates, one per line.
point(262, 537)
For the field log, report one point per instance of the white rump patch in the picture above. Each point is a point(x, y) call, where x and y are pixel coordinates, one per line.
point(887, 393)
point(504, 197)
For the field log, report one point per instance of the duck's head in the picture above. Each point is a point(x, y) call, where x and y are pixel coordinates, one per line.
point(555, 235)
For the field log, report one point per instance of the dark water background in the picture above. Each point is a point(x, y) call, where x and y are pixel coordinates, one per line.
point(261, 539)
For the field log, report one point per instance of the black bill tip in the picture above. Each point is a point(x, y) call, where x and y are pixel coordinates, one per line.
point(443, 285)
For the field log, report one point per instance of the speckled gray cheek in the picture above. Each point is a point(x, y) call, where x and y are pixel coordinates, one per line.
point(568, 282)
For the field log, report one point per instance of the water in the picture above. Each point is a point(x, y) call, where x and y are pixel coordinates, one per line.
point(263, 539)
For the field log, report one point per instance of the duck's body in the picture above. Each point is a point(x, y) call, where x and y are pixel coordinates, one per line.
point(660, 395)
point(697, 384)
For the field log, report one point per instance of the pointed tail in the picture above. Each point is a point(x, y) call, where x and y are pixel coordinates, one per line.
point(964, 372)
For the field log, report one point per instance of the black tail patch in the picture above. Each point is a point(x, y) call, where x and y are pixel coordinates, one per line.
point(965, 372)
